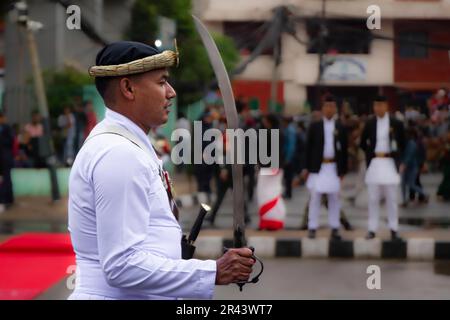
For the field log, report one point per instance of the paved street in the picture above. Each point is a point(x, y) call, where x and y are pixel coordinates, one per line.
point(291, 278)
point(433, 213)
point(341, 279)
point(294, 278)
point(332, 279)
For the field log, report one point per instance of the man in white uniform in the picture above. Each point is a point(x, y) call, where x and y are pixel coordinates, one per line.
point(326, 163)
point(383, 141)
point(126, 238)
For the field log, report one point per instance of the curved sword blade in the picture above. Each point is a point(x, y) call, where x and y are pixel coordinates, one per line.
point(233, 123)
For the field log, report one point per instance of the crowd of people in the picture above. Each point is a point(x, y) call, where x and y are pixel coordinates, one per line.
point(423, 146)
point(29, 150)
point(25, 146)
point(74, 127)
point(426, 148)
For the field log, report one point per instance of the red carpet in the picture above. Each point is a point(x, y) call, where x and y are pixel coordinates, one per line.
point(33, 262)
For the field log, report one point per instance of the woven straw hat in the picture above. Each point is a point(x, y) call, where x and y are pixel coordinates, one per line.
point(167, 58)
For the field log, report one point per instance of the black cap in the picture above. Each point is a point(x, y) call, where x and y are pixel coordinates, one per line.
point(330, 98)
point(123, 52)
point(380, 99)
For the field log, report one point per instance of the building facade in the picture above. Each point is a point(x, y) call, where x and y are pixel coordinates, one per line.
point(58, 46)
point(358, 63)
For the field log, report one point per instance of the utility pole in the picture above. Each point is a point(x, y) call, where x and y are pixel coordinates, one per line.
point(46, 148)
point(322, 33)
point(274, 81)
point(279, 24)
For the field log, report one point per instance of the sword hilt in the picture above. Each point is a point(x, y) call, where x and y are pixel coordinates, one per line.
point(255, 279)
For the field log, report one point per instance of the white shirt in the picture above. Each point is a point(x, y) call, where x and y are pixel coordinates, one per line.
point(382, 170)
point(125, 237)
point(328, 146)
point(326, 180)
point(382, 144)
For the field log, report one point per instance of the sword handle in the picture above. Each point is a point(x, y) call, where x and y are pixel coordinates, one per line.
point(196, 227)
point(242, 284)
point(255, 279)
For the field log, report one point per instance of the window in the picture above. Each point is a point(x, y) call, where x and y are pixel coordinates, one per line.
point(413, 44)
point(339, 36)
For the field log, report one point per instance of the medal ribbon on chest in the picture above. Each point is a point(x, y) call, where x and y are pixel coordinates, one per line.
point(167, 183)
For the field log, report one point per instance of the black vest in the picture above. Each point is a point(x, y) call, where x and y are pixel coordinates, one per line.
point(315, 144)
point(396, 139)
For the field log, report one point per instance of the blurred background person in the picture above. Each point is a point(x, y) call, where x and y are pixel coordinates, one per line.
point(383, 141)
point(412, 159)
point(204, 172)
point(21, 147)
point(66, 122)
point(224, 178)
point(91, 119)
point(7, 159)
point(326, 163)
point(299, 154)
point(421, 160)
point(439, 99)
point(443, 191)
point(289, 149)
point(247, 121)
point(35, 132)
point(161, 146)
point(80, 117)
point(184, 124)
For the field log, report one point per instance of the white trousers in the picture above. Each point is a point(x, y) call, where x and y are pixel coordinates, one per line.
point(334, 206)
point(390, 194)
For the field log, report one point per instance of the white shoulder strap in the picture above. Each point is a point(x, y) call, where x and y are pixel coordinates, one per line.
point(118, 130)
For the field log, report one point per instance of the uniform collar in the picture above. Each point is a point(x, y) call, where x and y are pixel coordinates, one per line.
point(384, 118)
point(117, 118)
point(330, 121)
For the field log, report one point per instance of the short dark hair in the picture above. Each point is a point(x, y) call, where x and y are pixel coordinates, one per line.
point(102, 85)
point(380, 98)
point(412, 133)
point(273, 120)
point(330, 98)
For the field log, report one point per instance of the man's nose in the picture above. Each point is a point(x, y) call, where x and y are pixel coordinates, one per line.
point(170, 93)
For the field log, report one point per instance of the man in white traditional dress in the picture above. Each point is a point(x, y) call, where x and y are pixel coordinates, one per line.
point(122, 221)
point(326, 163)
point(383, 141)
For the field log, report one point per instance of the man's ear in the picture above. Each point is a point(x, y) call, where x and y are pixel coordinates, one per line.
point(126, 88)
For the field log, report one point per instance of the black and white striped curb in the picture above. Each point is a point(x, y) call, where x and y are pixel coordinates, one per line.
point(209, 247)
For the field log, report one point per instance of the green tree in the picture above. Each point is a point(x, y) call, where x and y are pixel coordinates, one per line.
point(194, 74)
point(63, 88)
